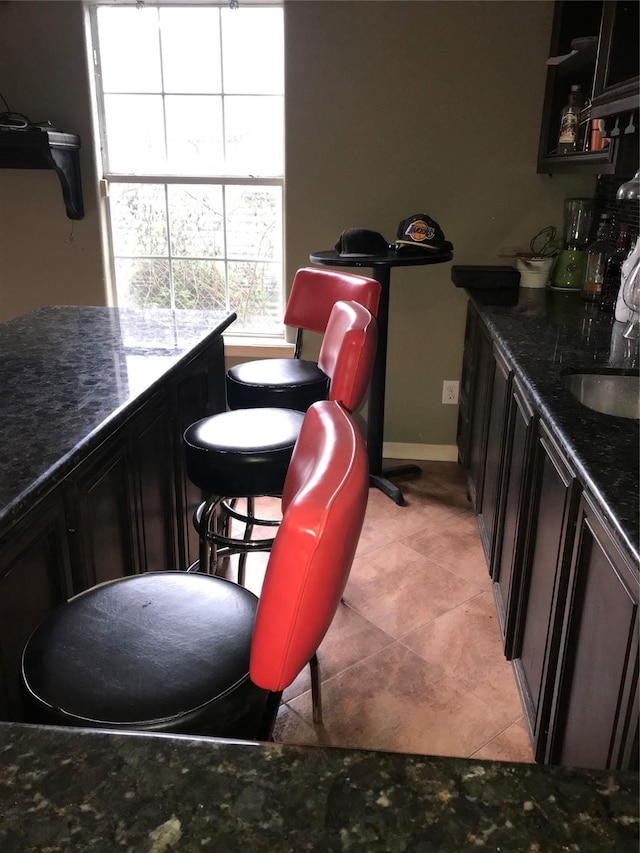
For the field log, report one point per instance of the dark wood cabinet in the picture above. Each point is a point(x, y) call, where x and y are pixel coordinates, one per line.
point(617, 72)
point(200, 392)
point(543, 583)
point(566, 590)
point(35, 576)
point(487, 510)
point(473, 410)
point(515, 509)
point(152, 442)
point(594, 720)
point(101, 516)
point(601, 41)
point(125, 508)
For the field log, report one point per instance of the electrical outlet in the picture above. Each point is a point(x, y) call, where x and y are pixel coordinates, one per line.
point(450, 391)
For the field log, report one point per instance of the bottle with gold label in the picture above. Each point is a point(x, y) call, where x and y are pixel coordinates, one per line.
point(569, 120)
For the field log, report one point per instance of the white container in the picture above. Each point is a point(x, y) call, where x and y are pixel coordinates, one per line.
point(534, 272)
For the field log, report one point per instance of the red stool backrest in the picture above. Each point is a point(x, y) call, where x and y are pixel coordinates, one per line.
point(323, 502)
point(314, 292)
point(348, 352)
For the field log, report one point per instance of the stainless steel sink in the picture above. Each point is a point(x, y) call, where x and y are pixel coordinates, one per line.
point(608, 392)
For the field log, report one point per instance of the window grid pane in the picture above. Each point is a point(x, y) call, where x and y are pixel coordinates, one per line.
point(208, 103)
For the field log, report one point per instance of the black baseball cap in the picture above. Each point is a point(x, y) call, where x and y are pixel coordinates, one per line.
point(360, 242)
point(420, 233)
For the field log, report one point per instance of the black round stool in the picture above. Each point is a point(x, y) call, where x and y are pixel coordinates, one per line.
point(161, 651)
point(288, 383)
point(237, 454)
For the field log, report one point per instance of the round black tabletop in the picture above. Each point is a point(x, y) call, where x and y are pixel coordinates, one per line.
point(331, 258)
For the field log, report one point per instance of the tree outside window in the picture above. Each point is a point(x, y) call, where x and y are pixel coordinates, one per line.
point(191, 112)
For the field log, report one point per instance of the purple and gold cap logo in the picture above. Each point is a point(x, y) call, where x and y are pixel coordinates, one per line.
point(419, 231)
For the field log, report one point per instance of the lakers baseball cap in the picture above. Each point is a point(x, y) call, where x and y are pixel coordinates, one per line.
point(420, 233)
point(360, 242)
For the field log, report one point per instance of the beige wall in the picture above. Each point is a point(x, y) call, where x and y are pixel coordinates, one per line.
point(45, 258)
point(392, 108)
point(396, 108)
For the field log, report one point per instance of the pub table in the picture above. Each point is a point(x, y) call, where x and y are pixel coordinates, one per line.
point(381, 266)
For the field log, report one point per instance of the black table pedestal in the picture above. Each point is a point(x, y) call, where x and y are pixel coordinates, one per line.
point(381, 271)
point(381, 481)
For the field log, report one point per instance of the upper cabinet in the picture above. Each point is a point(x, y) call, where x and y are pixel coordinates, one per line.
point(616, 83)
point(593, 45)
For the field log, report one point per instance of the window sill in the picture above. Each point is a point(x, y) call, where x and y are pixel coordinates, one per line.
point(239, 347)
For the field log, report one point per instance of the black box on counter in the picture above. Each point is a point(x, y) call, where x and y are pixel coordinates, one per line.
point(491, 285)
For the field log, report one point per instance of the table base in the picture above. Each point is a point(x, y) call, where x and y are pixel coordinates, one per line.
point(381, 266)
point(381, 481)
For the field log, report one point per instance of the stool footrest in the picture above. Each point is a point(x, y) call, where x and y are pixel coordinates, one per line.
point(229, 510)
point(212, 517)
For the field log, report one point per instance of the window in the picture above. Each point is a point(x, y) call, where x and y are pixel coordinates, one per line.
point(190, 102)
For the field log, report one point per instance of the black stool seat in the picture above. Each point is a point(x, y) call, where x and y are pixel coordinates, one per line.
point(118, 656)
point(243, 453)
point(288, 383)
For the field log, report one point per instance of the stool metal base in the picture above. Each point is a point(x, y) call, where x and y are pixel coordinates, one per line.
point(212, 520)
point(218, 545)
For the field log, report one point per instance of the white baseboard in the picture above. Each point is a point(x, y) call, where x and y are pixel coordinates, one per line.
point(426, 452)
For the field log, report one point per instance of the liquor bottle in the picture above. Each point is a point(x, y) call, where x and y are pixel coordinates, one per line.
point(611, 280)
point(597, 254)
point(569, 119)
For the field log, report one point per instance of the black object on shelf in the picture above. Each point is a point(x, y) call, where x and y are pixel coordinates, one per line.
point(43, 148)
point(491, 285)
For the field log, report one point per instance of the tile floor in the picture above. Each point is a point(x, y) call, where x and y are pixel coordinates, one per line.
point(413, 660)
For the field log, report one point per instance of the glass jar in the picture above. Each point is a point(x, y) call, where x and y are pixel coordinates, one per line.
point(611, 281)
point(597, 254)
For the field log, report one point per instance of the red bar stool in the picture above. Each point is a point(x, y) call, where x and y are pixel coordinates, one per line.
point(295, 383)
point(245, 453)
point(194, 653)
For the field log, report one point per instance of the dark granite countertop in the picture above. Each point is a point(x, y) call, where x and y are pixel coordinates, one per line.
point(74, 790)
point(69, 374)
point(552, 333)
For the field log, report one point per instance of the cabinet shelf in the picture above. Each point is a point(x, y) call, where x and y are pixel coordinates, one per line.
point(41, 148)
point(582, 161)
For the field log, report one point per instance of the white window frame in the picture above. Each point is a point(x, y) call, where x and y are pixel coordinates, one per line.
point(247, 342)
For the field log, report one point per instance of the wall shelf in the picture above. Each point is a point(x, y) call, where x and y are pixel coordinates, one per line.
point(44, 148)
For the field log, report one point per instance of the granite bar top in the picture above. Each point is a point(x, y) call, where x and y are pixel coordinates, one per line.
point(552, 333)
point(70, 374)
point(75, 790)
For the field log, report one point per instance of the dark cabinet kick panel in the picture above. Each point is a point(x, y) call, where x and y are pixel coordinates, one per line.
point(554, 487)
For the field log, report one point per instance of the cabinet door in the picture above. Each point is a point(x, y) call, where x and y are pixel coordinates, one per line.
point(616, 79)
point(479, 410)
point(544, 569)
point(499, 386)
point(35, 577)
point(595, 715)
point(101, 514)
point(152, 450)
point(199, 392)
point(513, 515)
point(465, 402)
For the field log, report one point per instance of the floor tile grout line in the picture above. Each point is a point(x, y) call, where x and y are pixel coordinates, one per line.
point(495, 737)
